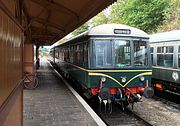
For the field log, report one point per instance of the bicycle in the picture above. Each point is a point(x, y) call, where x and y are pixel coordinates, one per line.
point(30, 81)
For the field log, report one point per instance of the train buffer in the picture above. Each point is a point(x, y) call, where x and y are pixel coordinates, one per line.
point(52, 103)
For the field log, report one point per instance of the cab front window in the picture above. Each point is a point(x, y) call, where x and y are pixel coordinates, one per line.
point(117, 53)
point(122, 53)
point(140, 53)
point(103, 49)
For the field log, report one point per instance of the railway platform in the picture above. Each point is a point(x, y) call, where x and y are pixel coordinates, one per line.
point(52, 103)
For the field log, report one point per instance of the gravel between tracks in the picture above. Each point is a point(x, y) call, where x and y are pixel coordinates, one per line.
point(157, 113)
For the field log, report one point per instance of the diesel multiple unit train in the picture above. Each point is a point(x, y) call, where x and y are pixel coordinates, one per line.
point(111, 61)
point(165, 54)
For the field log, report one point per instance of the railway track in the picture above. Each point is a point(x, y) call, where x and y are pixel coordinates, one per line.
point(130, 117)
point(163, 112)
point(144, 121)
point(167, 98)
point(167, 102)
point(119, 117)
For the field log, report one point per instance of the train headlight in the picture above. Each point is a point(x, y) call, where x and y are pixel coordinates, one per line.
point(142, 78)
point(123, 79)
point(103, 79)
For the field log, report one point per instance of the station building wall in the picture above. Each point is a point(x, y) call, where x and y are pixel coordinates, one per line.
point(11, 95)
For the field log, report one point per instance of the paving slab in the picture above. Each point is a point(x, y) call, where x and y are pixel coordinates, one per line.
point(52, 103)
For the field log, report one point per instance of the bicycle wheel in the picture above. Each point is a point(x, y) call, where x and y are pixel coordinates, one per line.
point(31, 84)
point(35, 82)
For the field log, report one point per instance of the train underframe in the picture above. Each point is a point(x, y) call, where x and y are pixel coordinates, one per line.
point(166, 86)
point(123, 96)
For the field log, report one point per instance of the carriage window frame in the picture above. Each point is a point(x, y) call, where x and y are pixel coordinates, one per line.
point(66, 54)
point(179, 57)
point(160, 49)
point(61, 53)
point(169, 49)
point(56, 54)
point(71, 56)
point(124, 60)
point(81, 56)
point(160, 56)
point(152, 55)
point(169, 54)
point(165, 56)
point(85, 54)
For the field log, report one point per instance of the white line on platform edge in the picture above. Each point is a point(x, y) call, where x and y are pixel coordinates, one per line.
point(97, 119)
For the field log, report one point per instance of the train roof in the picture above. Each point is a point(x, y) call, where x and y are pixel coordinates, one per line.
point(165, 36)
point(109, 29)
point(112, 30)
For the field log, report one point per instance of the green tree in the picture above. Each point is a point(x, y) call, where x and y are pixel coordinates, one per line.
point(99, 19)
point(115, 13)
point(174, 12)
point(172, 17)
point(144, 14)
point(81, 29)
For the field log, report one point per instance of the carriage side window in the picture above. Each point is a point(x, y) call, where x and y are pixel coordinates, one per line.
point(122, 53)
point(152, 51)
point(160, 56)
point(85, 54)
point(140, 53)
point(77, 54)
point(56, 54)
point(168, 56)
point(160, 50)
point(103, 49)
point(51, 53)
point(61, 53)
point(179, 57)
point(69, 50)
point(81, 47)
point(74, 54)
point(66, 54)
point(169, 49)
point(71, 54)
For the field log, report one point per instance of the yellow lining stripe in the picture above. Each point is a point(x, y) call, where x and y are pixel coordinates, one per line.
point(109, 70)
point(105, 75)
point(119, 70)
point(165, 68)
point(146, 73)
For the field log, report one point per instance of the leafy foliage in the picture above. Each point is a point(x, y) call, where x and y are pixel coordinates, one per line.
point(81, 29)
point(101, 18)
point(115, 13)
point(148, 15)
point(144, 14)
point(172, 17)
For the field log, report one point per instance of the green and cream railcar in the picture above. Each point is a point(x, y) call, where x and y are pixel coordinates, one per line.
point(165, 53)
point(111, 61)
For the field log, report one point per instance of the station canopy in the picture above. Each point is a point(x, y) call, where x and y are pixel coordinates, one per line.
point(51, 20)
